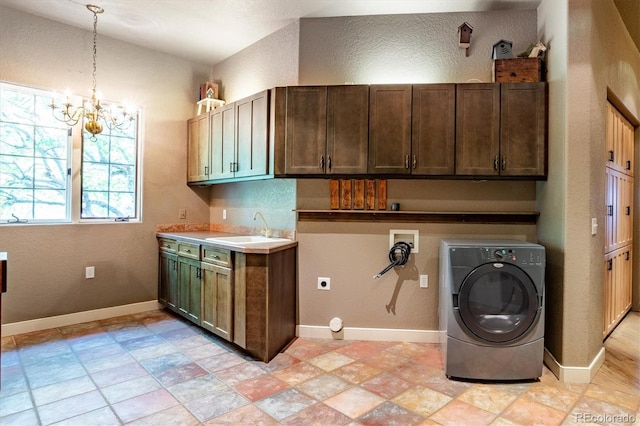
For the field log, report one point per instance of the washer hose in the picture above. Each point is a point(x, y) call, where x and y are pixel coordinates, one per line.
point(398, 256)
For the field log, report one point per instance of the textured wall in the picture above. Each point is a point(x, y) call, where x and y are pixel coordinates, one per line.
point(552, 28)
point(270, 62)
point(602, 56)
point(398, 49)
point(407, 48)
point(351, 253)
point(46, 262)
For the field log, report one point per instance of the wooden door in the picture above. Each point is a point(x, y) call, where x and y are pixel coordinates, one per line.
point(617, 287)
point(228, 140)
point(523, 129)
point(347, 129)
point(610, 236)
point(389, 129)
point(433, 129)
point(189, 289)
point(252, 143)
point(217, 300)
point(223, 139)
point(216, 130)
point(619, 141)
point(168, 281)
point(306, 133)
point(198, 148)
point(477, 129)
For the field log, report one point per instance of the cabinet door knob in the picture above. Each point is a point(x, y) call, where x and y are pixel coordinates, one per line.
point(495, 163)
point(322, 162)
point(414, 162)
point(329, 163)
point(504, 162)
point(406, 162)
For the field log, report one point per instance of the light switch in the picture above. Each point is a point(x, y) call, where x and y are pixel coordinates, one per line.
point(594, 226)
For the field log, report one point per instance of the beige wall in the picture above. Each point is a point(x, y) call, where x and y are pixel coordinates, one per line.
point(550, 197)
point(46, 262)
point(595, 54)
point(352, 253)
point(389, 49)
point(270, 62)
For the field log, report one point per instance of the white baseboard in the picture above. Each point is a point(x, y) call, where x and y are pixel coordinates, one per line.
point(568, 374)
point(376, 334)
point(77, 317)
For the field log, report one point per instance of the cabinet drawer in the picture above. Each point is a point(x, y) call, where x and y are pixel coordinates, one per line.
point(189, 250)
point(217, 256)
point(168, 245)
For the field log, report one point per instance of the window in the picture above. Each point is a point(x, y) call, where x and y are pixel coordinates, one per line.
point(40, 179)
point(109, 174)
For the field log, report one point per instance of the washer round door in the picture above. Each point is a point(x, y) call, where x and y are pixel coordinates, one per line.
point(498, 302)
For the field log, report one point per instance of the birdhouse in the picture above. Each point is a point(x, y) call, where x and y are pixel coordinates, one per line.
point(464, 35)
point(502, 50)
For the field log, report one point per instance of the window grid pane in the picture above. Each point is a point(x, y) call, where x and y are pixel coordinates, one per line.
point(34, 158)
point(109, 174)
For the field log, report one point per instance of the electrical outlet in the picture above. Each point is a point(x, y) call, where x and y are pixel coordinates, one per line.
point(90, 272)
point(224, 214)
point(424, 281)
point(182, 214)
point(324, 283)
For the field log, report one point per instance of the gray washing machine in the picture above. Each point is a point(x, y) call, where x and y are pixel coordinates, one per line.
point(492, 309)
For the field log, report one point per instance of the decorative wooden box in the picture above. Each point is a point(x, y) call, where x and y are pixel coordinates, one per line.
point(518, 70)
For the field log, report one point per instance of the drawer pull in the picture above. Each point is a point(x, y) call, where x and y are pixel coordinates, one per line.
point(216, 257)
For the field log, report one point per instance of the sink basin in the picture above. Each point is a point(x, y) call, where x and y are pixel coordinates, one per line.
point(247, 239)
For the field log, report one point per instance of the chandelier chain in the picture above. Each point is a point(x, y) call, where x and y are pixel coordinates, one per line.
point(95, 47)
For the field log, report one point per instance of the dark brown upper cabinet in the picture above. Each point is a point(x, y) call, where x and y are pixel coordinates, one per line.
point(347, 129)
point(326, 130)
point(501, 130)
point(306, 130)
point(477, 129)
point(523, 129)
point(389, 129)
point(433, 129)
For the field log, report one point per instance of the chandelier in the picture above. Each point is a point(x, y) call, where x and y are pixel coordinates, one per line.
point(92, 111)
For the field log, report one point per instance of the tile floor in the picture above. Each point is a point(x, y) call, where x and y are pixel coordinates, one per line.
point(156, 369)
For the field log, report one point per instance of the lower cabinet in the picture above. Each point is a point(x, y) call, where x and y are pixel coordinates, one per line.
point(189, 289)
point(217, 300)
point(168, 288)
point(245, 298)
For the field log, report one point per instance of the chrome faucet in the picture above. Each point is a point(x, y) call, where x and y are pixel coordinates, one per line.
point(266, 231)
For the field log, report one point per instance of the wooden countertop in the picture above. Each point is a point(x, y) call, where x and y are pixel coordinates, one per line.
point(200, 237)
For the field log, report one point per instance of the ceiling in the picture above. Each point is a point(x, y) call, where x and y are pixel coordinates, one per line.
point(209, 31)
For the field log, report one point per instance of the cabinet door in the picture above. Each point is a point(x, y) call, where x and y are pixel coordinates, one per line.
point(189, 289)
point(198, 149)
point(389, 129)
point(477, 129)
point(252, 117)
point(523, 129)
point(619, 141)
point(223, 142)
point(347, 129)
point(610, 237)
point(217, 300)
point(306, 133)
point(168, 280)
point(433, 129)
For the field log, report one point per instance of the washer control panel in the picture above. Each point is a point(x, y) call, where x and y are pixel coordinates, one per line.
point(520, 256)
